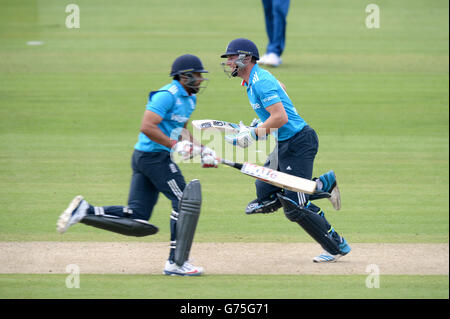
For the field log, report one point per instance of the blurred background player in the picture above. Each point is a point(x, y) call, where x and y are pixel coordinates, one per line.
point(275, 14)
point(164, 122)
point(297, 146)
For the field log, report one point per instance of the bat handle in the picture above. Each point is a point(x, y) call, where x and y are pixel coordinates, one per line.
point(230, 163)
point(319, 194)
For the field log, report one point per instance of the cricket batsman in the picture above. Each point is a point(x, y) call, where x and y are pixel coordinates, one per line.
point(153, 172)
point(297, 146)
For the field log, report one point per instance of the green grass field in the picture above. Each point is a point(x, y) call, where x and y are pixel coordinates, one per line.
point(223, 287)
point(70, 111)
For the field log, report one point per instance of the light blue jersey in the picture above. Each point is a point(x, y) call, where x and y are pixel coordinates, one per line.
point(264, 90)
point(175, 106)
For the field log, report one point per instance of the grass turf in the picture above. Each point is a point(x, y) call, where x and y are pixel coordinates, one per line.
point(224, 287)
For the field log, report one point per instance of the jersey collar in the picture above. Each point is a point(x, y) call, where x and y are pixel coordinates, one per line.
point(252, 73)
point(181, 89)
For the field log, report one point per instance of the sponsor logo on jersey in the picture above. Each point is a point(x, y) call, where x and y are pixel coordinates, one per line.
point(179, 118)
point(267, 99)
point(255, 105)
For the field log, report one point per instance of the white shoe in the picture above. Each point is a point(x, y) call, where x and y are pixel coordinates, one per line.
point(270, 59)
point(263, 59)
point(73, 214)
point(172, 269)
point(326, 257)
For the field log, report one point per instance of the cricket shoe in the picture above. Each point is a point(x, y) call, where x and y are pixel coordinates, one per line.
point(270, 205)
point(73, 214)
point(326, 257)
point(172, 269)
point(270, 59)
point(330, 186)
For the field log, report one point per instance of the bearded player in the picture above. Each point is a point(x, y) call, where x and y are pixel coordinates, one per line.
point(153, 172)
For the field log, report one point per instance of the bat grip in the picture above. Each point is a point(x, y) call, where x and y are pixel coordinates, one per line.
point(230, 163)
point(319, 194)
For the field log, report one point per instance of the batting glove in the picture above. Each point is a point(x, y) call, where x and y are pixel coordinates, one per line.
point(256, 122)
point(244, 138)
point(186, 149)
point(208, 157)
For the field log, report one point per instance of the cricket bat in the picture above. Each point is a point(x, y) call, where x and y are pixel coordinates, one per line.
point(283, 180)
point(268, 175)
point(217, 125)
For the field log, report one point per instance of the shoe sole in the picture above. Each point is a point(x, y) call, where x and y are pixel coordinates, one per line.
point(335, 197)
point(63, 220)
point(334, 260)
point(170, 273)
point(325, 261)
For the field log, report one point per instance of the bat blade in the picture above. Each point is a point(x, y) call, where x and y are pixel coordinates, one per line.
point(214, 124)
point(283, 180)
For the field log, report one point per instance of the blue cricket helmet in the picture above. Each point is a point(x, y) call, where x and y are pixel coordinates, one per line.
point(186, 64)
point(241, 46)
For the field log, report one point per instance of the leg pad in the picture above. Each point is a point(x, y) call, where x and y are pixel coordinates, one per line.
point(120, 225)
point(315, 225)
point(189, 212)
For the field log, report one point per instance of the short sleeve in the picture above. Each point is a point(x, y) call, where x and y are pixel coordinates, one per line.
point(267, 92)
point(160, 103)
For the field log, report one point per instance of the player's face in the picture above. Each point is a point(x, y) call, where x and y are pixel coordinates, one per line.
point(230, 67)
point(231, 61)
point(198, 78)
point(192, 82)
